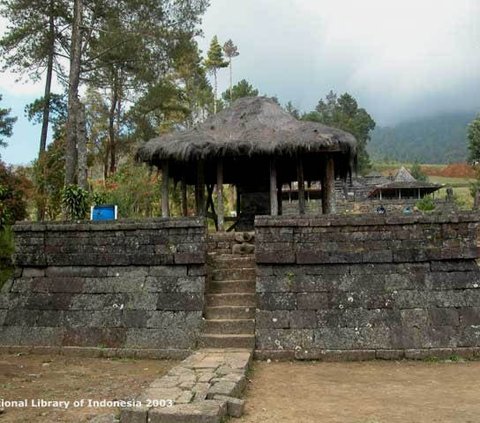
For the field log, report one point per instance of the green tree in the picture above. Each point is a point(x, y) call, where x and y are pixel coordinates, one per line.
point(213, 63)
point(343, 113)
point(34, 44)
point(473, 136)
point(6, 125)
point(290, 108)
point(12, 201)
point(242, 89)
point(57, 113)
point(417, 172)
point(231, 51)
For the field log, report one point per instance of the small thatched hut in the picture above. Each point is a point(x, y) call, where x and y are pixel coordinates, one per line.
point(403, 186)
point(256, 146)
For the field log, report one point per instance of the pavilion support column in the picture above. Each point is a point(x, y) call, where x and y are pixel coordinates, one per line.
point(200, 189)
point(238, 201)
point(220, 209)
point(328, 186)
point(279, 199)
point(301, 186)
point(165, 180)
point(183, 186)
point(273, 189)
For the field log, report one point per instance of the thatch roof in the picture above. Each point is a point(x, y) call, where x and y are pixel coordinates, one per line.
point(252, 126)
point(403, 181)
point(403, 175)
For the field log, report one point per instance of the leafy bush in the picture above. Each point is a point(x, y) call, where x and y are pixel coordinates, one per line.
point(12, 203)
point(426, 204)
point(134, 189)
point(48, 178)
point(76, 202)
point(6, 251)
point(417, 172)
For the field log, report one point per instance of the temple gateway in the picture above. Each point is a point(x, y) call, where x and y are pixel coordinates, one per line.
point(256, 146)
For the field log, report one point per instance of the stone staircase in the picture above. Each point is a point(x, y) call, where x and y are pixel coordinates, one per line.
point(230, 292)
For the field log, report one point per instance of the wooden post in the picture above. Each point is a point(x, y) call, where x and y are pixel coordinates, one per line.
point(165, 178)
point(183, 186)
point(200, 189)
point(220, 210)
point(419, 195)
point(238, 202)
point(280, 200)
point(273, 189)
point(301, 186)
point(328, 186)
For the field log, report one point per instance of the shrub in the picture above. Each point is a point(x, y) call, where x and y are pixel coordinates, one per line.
point(426, 204)
point(76, 202)
point(12, 203)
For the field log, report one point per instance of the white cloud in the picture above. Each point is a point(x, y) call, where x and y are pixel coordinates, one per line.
point(391, 54)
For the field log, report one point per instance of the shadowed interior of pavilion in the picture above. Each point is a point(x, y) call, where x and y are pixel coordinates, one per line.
point(256, 146)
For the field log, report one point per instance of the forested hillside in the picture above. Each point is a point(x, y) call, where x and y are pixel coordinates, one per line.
point(438, 139)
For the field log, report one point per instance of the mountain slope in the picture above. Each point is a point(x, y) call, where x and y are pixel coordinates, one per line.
point(437, 139)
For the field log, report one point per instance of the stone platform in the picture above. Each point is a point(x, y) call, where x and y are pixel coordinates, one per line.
point(205, 387)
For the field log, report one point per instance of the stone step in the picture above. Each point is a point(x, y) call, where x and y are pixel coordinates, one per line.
point(229, 261)
point(246, 300)
point(208, 340)
point(230, 312)
point(230, 326)
point(233, 274)
point(238, 287)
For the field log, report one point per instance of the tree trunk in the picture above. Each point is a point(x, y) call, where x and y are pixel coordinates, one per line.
point(73, 83)
point(215, 91)
point(106, 155)
point(82, 148)
point(111, 126)
point(231, 83)
point(273, 189)
point(48, 81)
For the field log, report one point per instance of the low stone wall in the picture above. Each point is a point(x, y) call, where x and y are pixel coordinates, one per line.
point(367, 286)
point(113, 285)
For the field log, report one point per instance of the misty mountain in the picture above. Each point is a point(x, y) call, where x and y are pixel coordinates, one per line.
point(437, 139)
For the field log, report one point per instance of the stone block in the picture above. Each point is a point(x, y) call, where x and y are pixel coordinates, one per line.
point(134, 415)
point(284, 339)
point(276, 301)
point(312, 301)
point(212, 411)
point(469, 316)
point(444, 316)
point(302, 319)
point(276, 319)
point(235, 406)
point(188, 301)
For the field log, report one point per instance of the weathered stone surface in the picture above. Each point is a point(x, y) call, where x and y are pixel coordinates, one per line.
point(193, 384)
point(196, 412)
point(235, 406)
point(110, 285)
point(371, 284)
point(134, 415)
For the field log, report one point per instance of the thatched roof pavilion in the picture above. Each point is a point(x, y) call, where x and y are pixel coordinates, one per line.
point(256, 146)
point(403, 186)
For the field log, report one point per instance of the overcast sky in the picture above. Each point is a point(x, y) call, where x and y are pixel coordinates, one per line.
point(399, 59)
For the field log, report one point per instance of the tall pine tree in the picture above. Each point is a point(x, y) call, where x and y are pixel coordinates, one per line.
point(213, 63)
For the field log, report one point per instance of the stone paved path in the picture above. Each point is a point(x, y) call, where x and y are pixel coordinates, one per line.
point(204, 388)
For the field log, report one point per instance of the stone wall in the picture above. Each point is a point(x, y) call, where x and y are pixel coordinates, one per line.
point(115, 285)
point(367, 286)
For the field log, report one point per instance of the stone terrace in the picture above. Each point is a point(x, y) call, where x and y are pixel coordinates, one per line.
point(204, 388)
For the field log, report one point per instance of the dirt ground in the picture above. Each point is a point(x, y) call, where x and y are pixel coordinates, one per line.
point(367, 392)
point(71, 378)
